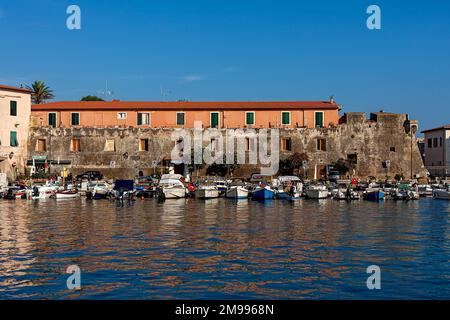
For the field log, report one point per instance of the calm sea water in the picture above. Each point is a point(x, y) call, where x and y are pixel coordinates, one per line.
point(222, 249)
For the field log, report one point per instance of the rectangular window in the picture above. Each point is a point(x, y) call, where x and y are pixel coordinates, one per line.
point(321, 145)
point(75, 119)
point(143, 145)
point(121, 115)
point(318, 119)
point(430, 143)
point(52, 119)
point(13, 139)
point(110, 145)
point(286, 144)
point(181, 119)
point(13, 108)
point(143, 119)
point(250, 118)
point(435, 141)
point(440, 142)
point(285, 118)
point(214, 119)
point(41, 145)
point(75, 145)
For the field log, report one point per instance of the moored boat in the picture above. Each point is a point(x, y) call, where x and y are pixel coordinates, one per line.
point(288, 188)
point(373, 195)
point(66, 194)
point(317, 192)
point(237, 192)
point(171, 186)
point(207, 192)
point(263, 193)
point(443, 194)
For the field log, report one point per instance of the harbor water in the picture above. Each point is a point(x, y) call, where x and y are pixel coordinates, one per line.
point(224, 249)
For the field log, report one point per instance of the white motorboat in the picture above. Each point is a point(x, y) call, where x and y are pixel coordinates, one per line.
point(425, 190)
point(288, 187)
point(237, 192)
point(66, 194)
point(171, 186)
point(317, 192)
point(441, 194)
point(207, 192)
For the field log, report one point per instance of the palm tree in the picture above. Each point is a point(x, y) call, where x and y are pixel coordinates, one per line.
point(40, 92)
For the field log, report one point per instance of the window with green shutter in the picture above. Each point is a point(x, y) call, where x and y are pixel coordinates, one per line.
point(180, 119)
point(13, 139)
point(319, 119)
point(75, 119)
point(250, 118)
point(13, 108)
point(52, 119)
point(139, 119)
point(214, 119)
point(286, 118)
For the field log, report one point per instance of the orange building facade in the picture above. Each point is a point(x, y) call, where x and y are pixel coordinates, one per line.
point(105, 114)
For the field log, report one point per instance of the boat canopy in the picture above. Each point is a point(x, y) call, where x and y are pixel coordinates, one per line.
point(288, 178)
point(171, 177)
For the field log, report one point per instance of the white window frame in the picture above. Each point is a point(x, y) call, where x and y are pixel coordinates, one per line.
point(176, 118)
point(290, 119)
point(254, 118)
point(218, 122)
point(149, 118)
point(79, 119)
point(118, 116)
point(323, 119)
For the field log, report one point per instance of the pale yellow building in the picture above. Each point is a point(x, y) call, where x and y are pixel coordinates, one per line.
point(15, 111)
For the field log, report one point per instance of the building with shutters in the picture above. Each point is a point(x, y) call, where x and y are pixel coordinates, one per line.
point(178, 114)
point(15, 109)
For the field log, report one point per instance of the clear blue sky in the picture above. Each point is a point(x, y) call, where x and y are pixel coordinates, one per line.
point(237, 50)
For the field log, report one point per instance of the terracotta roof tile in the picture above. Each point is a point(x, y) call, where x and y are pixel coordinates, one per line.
point(10, 88)
point(183, 105)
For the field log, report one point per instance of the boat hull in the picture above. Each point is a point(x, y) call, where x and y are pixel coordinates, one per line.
point(207, 193)
point(237, 193)
point(317, 194)
point(374, 196)
point(174, 193)
point(263, 194)
point(67, 195)
point(441, 194)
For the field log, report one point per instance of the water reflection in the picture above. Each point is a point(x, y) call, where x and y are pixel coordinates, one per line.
point(221, 249)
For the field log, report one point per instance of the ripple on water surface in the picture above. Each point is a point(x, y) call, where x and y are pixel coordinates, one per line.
point(221, 249)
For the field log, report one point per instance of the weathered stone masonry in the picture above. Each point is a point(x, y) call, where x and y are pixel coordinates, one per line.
point(384, 136)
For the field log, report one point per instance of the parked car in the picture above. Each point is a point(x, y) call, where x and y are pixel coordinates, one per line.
point(90, 175)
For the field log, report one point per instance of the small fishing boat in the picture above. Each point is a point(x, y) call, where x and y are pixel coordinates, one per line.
point(237, 192)
point(207, 191)
point(66, 194)
point(443, 194)
point(373, 195)
point(288, 188)
point(425, 190)
point(171, 186)
point(405, 192)
point(317, 192)
point(263, 193)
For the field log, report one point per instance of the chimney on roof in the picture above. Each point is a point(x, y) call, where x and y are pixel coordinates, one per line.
point(115, 100)
point(331, 99)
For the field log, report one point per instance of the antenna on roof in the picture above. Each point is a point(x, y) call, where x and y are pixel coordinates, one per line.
point(164, 93)
point(107, 92)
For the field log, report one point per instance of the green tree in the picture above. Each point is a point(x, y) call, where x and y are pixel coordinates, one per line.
point(91, 98)
point(40, 92)
point(292, 163)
